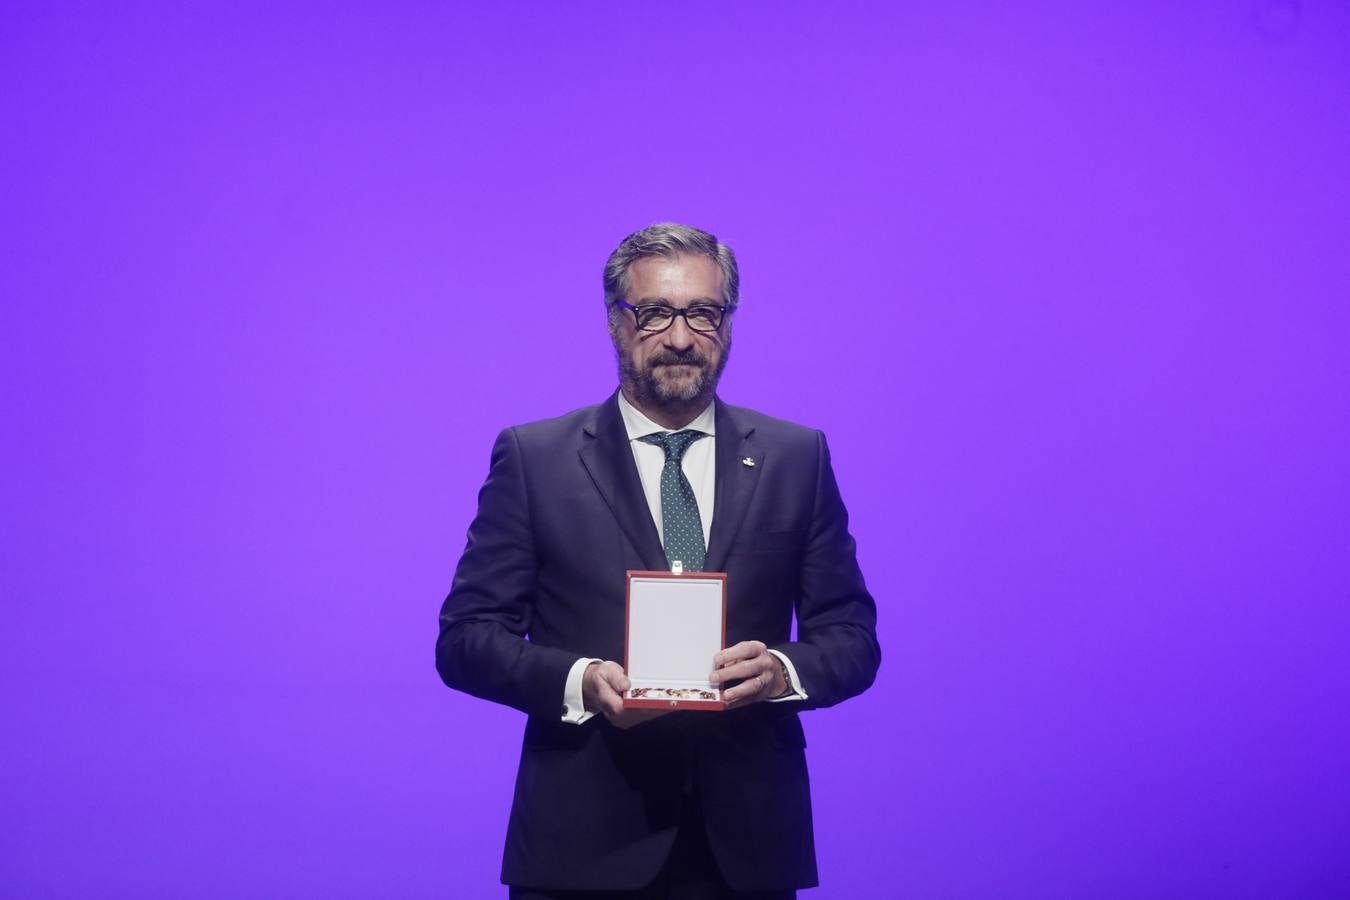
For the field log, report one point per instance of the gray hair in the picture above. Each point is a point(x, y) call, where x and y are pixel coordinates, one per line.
point(668, 239)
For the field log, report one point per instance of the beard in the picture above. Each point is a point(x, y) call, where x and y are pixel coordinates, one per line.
point(655, 385)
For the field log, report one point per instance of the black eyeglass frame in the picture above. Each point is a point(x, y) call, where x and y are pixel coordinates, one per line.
point(674, 313)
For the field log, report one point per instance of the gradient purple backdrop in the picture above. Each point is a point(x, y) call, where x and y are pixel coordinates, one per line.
point(1067, 286)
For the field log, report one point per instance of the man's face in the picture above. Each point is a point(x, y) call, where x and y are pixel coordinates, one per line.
point(678, 367)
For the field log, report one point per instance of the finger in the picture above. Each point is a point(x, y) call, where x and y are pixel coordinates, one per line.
point(748, 691)
point(737, 652)
point(613, 675)
point(746, 669)
point(609, 700)
point(612, 706)
point(750, 687)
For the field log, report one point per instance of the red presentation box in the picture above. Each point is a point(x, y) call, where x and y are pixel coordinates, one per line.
point(675, 625)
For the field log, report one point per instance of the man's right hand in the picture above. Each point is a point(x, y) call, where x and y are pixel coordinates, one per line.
point(602, 688)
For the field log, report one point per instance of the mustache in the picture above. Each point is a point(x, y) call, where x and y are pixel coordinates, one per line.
point(692, 358)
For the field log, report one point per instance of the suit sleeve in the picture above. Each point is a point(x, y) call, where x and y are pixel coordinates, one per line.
point(836, 654)
point(482, 648)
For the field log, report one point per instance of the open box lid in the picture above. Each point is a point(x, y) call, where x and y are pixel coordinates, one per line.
point(676, 624)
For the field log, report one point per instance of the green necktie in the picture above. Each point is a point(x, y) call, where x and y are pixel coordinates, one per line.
point(681, 527)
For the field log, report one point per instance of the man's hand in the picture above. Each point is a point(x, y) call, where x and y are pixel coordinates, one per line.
point(759, 672)
point(602, 687)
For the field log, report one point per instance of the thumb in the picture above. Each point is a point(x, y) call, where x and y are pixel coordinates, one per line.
point(614, 675)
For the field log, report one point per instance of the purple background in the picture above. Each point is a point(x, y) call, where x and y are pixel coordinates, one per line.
point(1065, 284)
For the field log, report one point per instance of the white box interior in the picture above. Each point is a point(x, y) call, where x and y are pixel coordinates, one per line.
point(674, 631)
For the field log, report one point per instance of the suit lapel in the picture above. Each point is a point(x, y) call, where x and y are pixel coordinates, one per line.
point(735, 483)
point(609, 461)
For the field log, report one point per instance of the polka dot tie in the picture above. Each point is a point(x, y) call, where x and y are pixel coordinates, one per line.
point(681, 527)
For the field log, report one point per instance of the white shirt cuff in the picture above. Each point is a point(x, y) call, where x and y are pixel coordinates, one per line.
point(574, 706)
point(794, 685)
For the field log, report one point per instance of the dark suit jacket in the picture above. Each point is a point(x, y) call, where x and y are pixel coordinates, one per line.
point(560, 519)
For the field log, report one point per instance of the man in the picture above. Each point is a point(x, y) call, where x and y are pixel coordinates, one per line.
point(614, 802)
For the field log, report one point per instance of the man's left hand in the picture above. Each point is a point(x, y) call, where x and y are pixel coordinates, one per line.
point(759, 672)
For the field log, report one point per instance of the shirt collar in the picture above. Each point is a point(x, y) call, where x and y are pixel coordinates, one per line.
point(638, 425)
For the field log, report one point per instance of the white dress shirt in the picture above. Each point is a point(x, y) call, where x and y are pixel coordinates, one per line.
point(699, 465)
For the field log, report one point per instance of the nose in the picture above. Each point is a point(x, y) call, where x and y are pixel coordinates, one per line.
point(679, 336)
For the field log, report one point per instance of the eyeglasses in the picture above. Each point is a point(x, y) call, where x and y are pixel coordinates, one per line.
point(655, 317)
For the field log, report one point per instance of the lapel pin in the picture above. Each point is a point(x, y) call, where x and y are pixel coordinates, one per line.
point(748, 461)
